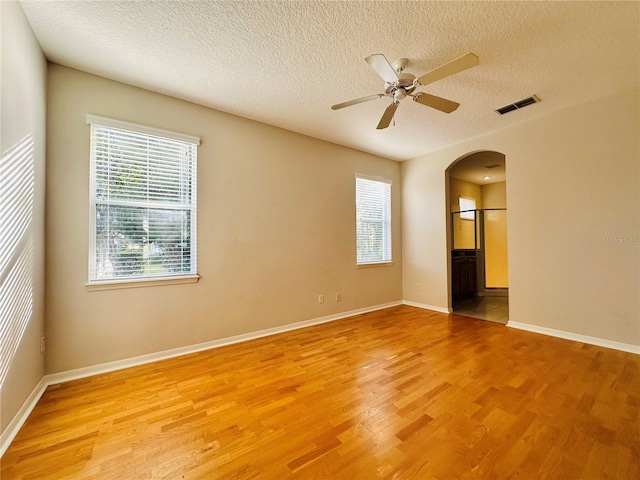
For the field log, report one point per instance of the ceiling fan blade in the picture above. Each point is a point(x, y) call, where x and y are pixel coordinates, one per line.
point(382, 67)
point(439, 103)
point(357, 101)
point(455, 66)
point(387, 116)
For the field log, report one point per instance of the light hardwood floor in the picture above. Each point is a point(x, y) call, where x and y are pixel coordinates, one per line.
point(401, 393)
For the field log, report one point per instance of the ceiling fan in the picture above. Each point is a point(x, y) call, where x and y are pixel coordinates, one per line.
point(398, 84)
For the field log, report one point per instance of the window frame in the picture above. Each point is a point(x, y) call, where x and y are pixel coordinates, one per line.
point(387, 237)
point(143, 280)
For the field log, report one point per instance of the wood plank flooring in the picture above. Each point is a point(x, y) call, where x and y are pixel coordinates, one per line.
point(401, 393)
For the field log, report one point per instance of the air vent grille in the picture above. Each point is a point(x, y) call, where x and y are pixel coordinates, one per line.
point(517, 105)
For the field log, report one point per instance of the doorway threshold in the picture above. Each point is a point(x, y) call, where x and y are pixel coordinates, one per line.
point(494, 292)
point(491, 308)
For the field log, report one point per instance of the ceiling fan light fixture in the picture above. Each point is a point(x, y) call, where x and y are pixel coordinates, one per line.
point(399, 94)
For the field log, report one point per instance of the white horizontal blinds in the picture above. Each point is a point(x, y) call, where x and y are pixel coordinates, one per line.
point(143, 204)
point(373, 220)
point(137, 167)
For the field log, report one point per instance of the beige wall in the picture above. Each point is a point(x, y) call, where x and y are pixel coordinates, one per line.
point(23, 121)
point(461, 188)
point(276, 215)
point(494, 195)
point(573, 183)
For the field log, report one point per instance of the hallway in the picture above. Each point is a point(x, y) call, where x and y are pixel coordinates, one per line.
point(494, 309)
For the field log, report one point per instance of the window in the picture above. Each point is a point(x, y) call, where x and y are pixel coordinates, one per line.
point(373, 221)
point(467, 207)
point(143, 203)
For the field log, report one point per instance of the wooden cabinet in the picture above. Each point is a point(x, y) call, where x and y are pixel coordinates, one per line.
point(463, 274)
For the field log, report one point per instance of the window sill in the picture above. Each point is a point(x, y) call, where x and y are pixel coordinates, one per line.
point(372, 265)
point(146, 282)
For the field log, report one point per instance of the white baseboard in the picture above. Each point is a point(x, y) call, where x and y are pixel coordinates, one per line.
point(21, 417)
point(199, 347)
point(16, 424)
point(601, 342)
point(427, 307)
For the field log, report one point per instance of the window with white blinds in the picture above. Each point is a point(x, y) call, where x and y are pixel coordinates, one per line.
point(143, 202)
point(467, 208)
point(373, 221)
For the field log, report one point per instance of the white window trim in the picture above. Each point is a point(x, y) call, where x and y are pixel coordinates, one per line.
point(135, 127)
point(147, 281)
point(98, 285)
point(374, 264)
point(375, 179)
point(381, 263)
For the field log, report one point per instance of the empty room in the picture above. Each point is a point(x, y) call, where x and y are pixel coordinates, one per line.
point(320, 240)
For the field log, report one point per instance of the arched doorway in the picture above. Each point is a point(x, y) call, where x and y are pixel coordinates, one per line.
point(477, 236)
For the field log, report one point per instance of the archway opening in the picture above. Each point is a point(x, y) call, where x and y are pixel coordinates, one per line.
point(477, 236)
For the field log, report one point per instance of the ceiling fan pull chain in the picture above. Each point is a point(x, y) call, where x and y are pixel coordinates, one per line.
point(394, 112)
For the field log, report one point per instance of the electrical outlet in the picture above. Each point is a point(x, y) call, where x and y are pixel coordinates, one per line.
point(320, 298)
point(417, 287)
point(42, 344)
point(338, 297)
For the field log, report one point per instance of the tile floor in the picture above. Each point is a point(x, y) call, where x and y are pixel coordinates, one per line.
point(494, 309)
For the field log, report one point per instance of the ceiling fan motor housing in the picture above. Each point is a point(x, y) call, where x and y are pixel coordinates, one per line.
point(402, 87)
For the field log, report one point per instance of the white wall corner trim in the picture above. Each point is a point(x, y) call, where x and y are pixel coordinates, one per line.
point(21, 417)
point(27, 407)
point(427, 307)
point(600, 342)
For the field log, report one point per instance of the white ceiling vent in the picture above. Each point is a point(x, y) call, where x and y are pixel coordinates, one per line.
point(519, 104)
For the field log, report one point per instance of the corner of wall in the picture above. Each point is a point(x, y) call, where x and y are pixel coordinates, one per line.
point(23, 133)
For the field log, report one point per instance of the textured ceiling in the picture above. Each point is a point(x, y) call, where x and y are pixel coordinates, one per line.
point(286, 63)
